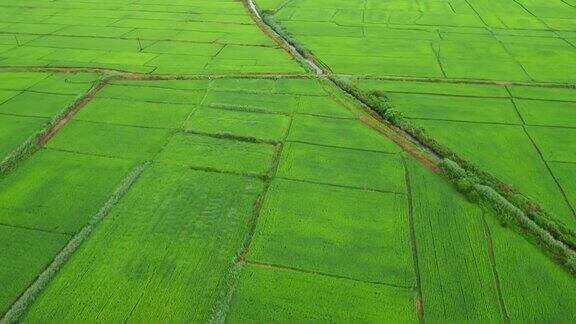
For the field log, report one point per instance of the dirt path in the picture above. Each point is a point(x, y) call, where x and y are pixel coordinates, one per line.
point(78, 105)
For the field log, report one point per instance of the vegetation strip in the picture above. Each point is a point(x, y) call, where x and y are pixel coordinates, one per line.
point(268, 28)
point(247, 139)
point(27, 298)
point(551, 237)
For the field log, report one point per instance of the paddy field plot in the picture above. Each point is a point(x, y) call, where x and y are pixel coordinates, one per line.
point(312, 227)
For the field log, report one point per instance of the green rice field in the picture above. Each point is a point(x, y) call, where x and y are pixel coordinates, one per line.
point(288, 161)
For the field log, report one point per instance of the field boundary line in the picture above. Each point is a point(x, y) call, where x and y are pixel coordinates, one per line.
point(299, 113)
point(253, 175)
point(462, 81)
point(413, 241)
point(480, 97)
point(464, 121)
point(232, 137)
point(20, 306)
point(24, 116)
point(27, 228)
point(341, 147)
point(541, 155)
point(132, 39)
point(244, 108)
point(562, 192)
point(492, 257)
point(488, 123)
point(390, 192)
point(319, 273)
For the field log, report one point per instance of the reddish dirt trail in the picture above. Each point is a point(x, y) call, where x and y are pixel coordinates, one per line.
point(78, 105)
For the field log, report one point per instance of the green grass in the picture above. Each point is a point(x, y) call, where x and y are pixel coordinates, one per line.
point(239, 123)
point(217, 153)
point(159, 86)
point(36, 104)
point(323, 106)
point(346, 133)
point(6, 95)
point(498, 69)
point(310, 87)
point(152, 94)
point(69, 84)
point(454, 89)
point(343, 167)
point(160, 255)
point(442, 107)
point(527, 92)
point(134, 113)
point(18, 269)
point(343, 232)
point(457, 281)
point(556, 144)
point(240, 85)
point(492, 41)
point(534, 291)
point(58, 191)
point(26, 113)
point(547, 113)
point(15, 130)
point(276, 295)
point(281, 104)
point(109, 140)
point(171, 47)
point(19, 81)
point(565, 173)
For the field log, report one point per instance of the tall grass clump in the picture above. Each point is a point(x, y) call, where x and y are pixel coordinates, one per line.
point(551, 239)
